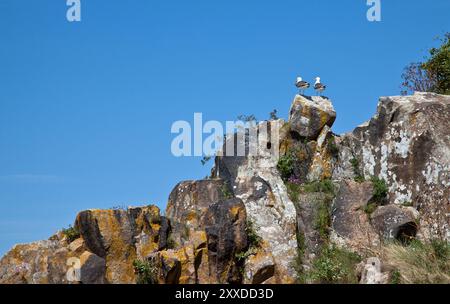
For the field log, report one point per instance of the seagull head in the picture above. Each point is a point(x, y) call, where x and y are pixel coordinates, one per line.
point(317, 80)
point(299, 79)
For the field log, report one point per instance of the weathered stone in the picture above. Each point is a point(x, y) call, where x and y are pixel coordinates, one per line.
point(309, 115)
point(350, 223)
point(407, 143)
point(225, 226)
point(255, 179)
point(188, 204)
point(116, 234)
point(370, 272)
point(77, 246)
point(92, 268)
point(259, 267)
point(42, 262)
point(307, 214)
point(393, 222)
point(322, 161)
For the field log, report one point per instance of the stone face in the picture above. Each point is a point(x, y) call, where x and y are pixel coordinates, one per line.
point(407, 143)
point(256, 181)
point(120, 237)
point(307, 213)
point(92, 270)
point(204, 236)
point(393, 222)
point(189, 202)
point(309, 115)
point(351, 225)
point(225, 227)
point(259, 267)
point(42, 262)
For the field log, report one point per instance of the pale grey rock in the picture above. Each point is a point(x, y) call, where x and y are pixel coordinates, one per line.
point(308, 115)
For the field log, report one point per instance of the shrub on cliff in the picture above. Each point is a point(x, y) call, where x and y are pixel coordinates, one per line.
point(71, 234)
point(334, 266)
point(432, 75)
point(146, 271)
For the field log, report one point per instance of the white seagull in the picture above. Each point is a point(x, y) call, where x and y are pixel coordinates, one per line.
point(318, 86)
point(301, 85)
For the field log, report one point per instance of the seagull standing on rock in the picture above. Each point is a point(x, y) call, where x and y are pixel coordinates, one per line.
point(301, 85)
point(319, 87)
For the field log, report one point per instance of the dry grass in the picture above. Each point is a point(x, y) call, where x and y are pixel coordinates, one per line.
point(419, 263)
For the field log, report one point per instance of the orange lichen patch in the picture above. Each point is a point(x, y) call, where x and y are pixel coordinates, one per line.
point(234, 211)
point(191, 216)
point(178, 266)
point(120, 251)
point(198, 239)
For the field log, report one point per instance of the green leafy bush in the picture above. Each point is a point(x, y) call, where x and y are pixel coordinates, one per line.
point(146, 271)
point(334, 265)
point(294, 191)
point(433, 75)
point(380, 190)
point(253, 239)
point(370, 208)
point(356, 171)
point(286, 166)
point(324, 186)
point(322, 220)
point(71, 233)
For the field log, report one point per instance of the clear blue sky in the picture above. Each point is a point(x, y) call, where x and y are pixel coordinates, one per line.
point(86, 108)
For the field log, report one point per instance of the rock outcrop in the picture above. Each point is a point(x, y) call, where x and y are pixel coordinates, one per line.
point(254, 221)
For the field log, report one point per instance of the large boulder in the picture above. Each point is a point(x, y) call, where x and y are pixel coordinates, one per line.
point(351, 224)
point(189, 202)
point(121, 237)
point(407, 143)
point(308, 115)
point(255, 179)
point(225, 227)
point(393, 222)
point(43, 262)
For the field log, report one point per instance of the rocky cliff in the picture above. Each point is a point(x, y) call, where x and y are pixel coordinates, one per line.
point(324, 199)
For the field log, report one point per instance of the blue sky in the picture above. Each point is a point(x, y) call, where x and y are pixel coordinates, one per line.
point(86, 108)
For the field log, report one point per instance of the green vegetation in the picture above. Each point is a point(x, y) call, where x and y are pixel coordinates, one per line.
point(293, 191)
point(380, 190)
point(71, 234)
point(356, 171)
point(419, 263)
point(379, 195)
point(370, 208)
point(286, 165)
point(324, 186)
point(334, 265)
point(253, 240)
point(146, 271)
point(322, 220)
point(433, 75)
point(395, 277)
point(171, 243)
